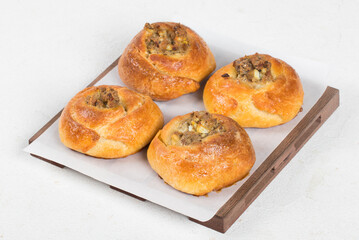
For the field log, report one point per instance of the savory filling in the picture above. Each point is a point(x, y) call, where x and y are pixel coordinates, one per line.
point(197, 127)
point(253, 69)
point(166, 40)
point(104, 97)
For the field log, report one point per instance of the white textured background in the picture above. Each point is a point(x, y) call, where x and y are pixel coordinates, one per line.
point(51, 49)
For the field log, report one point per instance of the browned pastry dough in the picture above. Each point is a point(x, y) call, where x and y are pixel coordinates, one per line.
point(200, 152)
point(256, 91)
point(165, 60)
point(109, 121)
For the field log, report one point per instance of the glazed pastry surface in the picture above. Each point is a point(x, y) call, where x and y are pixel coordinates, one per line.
point(200, 152)
point(256, 91)
point(109, 121)
point(165, 60)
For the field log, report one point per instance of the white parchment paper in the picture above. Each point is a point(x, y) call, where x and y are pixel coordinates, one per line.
point(133, 173)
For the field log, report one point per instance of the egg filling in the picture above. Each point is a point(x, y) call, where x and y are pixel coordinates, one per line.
point(197, 127)
point(166, 40)
point(104, 97)
point(253, 69)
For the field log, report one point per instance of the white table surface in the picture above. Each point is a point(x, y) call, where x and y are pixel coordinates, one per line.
point(50, 50)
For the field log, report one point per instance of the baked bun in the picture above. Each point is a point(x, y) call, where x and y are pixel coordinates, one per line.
point(165, 60)
point(109, 122)
point(200, 152)
point(256, 91)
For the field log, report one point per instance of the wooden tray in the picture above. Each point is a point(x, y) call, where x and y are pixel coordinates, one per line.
point(266, 172)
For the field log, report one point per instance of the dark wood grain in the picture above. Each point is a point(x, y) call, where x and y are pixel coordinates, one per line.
point(127, 193)
point(48, 161)
point(275, 162)
point(266, 172)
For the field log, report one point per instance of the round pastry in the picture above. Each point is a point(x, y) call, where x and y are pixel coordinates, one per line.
point(109, 122)
point(256, 91)
point(200, 152)
point(165, 60)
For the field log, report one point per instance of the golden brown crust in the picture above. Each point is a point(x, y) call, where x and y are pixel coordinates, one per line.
point(164, 77)
point(255, 105)
point(111, 132)
point(218, 161)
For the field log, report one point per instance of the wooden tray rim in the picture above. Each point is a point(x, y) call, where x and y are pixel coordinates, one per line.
point(264, 174)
